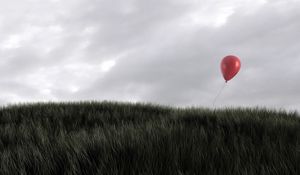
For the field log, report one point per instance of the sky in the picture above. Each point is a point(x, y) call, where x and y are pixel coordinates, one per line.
point(152, 51)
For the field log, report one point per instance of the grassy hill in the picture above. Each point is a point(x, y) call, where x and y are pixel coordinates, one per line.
point(120, 138)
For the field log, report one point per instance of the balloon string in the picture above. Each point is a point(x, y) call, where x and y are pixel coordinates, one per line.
point(219, 93)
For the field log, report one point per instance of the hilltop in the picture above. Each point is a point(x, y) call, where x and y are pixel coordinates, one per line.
point(125, 138)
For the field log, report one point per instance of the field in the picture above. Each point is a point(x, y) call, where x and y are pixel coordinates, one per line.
point(123, 138)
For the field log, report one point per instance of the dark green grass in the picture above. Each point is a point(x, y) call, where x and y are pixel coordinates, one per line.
point(122, 138)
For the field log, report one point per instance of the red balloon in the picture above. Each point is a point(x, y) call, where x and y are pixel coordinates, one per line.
point(230, 66)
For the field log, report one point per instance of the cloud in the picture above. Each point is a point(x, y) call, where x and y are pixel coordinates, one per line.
point(165, 52)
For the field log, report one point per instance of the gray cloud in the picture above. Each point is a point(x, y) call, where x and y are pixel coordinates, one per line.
point(165, 52)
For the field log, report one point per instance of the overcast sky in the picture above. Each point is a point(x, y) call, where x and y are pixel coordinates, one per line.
point(161, 51)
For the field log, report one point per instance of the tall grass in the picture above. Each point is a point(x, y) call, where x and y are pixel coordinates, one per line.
point(122, 138)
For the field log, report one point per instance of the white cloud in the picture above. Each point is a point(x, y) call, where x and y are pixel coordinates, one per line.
point(107, 65)
point(12, 42)
point(209, 18)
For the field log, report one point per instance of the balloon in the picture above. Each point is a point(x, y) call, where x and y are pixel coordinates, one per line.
point(230, 66)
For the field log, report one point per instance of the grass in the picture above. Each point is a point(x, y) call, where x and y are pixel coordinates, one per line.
point(122, 138)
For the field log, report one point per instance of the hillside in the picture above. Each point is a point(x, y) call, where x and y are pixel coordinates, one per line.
point(123, 138)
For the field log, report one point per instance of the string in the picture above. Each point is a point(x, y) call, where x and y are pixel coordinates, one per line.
point(219, 93)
